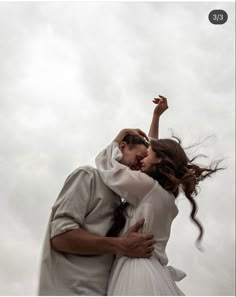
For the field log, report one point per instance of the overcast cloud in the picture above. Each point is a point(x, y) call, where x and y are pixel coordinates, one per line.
point(72, 74)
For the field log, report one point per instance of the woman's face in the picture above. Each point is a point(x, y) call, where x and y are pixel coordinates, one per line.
point(148, 162)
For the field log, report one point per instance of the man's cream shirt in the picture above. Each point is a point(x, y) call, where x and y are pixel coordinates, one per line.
point(84, 202)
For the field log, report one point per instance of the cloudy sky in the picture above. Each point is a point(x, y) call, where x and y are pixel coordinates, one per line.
point(72, 74)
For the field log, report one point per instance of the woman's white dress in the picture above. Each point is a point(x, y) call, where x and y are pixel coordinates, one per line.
point(148, 200)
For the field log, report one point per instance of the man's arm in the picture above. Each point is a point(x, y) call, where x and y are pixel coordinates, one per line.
point(82, 242)
point(159, 109)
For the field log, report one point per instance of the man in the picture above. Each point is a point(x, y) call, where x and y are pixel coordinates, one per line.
point(77, 255)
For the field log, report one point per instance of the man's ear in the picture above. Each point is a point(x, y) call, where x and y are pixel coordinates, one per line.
point(123, 145)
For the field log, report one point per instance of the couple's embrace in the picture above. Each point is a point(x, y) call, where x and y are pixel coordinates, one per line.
point(97, 244)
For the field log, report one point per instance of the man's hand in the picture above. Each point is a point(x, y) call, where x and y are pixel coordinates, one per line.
point(137, 245)
point(161, 105)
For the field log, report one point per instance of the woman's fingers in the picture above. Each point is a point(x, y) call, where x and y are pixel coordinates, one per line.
point(163, 97)
point(164, 100)
point(127, 131)
point(143, 134)
point(160, 98)
point(137, 132)
point(156, 100)
point(161, 103)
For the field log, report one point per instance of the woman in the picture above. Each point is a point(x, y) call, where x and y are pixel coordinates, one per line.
point(151, 194)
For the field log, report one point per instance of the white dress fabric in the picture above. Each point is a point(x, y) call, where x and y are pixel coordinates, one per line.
point(148, 200)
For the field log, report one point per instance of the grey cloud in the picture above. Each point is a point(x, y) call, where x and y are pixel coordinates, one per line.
point(72, 75)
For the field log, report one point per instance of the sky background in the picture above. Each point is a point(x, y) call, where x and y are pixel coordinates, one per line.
point(72, 75)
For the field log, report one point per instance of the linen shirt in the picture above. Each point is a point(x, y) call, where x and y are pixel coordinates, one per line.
point(84, 202)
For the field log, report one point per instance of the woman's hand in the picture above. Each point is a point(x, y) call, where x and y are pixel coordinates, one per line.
point(161, 105)
point(128, 131)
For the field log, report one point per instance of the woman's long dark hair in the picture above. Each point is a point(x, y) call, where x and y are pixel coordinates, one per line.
point(119, 219)
point(173, 172)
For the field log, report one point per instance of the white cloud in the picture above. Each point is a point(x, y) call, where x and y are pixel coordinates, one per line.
point(72, 75)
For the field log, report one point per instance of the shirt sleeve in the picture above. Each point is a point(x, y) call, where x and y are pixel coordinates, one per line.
point(132, 185)
point(70, 209)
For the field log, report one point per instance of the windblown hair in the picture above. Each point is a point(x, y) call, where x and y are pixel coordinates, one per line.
point(175, 171)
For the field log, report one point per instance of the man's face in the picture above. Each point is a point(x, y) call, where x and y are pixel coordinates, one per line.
point(133, 156)
point(150, 160)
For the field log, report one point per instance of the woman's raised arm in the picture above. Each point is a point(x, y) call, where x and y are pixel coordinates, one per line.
point(159, 109)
